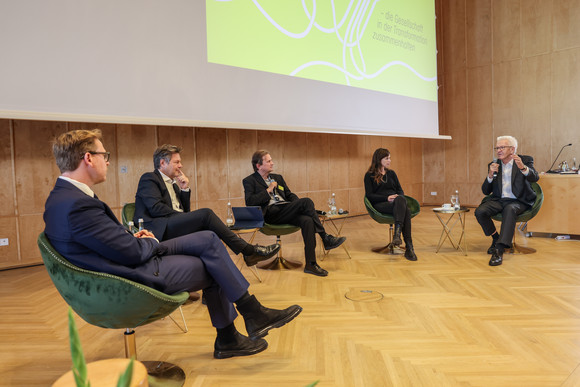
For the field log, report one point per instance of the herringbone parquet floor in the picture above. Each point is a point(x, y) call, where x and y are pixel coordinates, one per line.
point(445, 320)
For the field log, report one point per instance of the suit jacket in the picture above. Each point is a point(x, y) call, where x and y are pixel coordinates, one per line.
point(255, 190)
point(521, 187)
point(85, 231)
point(153, 203)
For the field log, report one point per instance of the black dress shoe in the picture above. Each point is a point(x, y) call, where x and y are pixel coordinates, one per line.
point(496, 258)
point(261, 253)
point(315, 269)
point(492, 247)
point(239, 346)
point(331, 242)
point(410, 253)
point(260, 322)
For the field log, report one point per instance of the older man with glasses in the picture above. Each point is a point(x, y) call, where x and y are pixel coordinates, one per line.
point(508, 180)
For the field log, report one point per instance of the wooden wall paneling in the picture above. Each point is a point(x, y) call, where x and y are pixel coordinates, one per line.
point(358, 161)
point(453, 27)
point(479, 131)
point(212, 167)
point(9, 254)
point(338, 161)
point(7, 176)
point(536, 27)
point(29, 227)
point(439, 34)
point(536, 117)
point(507, 105)
point(107, 191)
point(478, 33)
point(185, 138)
point(135, 147)
point(318, 156)
point(34, 165)
point(241, 145)
point(566, 21)
point(506, 30)
point(456, 149)
point(295, 158)
point(565, 101)
point(433, 172)
point(274, 142)
point(356, 205)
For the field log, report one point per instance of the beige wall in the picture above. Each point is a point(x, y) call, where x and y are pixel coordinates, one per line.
point(216, 161)
point(505, 67)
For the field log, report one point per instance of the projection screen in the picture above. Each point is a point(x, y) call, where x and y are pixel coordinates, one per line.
point(333, 66)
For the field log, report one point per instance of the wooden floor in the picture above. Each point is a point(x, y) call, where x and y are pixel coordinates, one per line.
point(445, 320)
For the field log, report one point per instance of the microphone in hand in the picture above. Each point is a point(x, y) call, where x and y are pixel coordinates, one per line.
point(494, 172)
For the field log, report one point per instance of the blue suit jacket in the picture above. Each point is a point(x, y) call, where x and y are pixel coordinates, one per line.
point(85, 231)
point(521, 187)
point(153, 203)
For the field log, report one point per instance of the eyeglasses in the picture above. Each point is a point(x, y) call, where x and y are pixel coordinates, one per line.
point(106, 155)
point(497, 148)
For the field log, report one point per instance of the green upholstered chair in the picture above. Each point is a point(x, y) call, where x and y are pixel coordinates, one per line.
point(524, 217)
point(127, 215)
point(109, 301)
point(278, 230)
point(390, 220)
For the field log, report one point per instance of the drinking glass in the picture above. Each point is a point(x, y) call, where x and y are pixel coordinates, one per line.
point(454, 201)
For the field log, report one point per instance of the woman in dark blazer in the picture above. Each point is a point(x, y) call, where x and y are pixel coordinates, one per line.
point(383, 190)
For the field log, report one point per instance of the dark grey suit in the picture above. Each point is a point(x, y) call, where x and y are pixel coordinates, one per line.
point(297, 211)
point(509, 208)
point(153, 205)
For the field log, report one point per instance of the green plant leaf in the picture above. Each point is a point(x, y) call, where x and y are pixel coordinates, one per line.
point(79, 366)
point(313, 384)
point(125, 379)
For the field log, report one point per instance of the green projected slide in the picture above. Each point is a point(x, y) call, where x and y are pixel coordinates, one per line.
point(387, 45)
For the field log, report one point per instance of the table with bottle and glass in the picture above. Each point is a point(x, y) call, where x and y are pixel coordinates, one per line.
point(336, 219)
point(450, 216)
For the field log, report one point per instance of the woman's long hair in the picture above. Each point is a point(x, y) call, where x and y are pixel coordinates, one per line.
point(375, 168)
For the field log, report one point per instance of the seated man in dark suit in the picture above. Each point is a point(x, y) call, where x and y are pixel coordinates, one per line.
point(163, 202)
point(85, 231)
point(508, 182)
point(281, 206)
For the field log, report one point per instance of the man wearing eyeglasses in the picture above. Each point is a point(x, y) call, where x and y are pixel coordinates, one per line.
point(85, 231)
point(508, 180)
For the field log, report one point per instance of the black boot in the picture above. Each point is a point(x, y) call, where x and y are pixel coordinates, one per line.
point(259, 319)
point(409, 251)
point(229, 343)
point(397, 235)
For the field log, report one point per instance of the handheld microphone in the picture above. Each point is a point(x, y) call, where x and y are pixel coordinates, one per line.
point(495, 172)
point(556, 159)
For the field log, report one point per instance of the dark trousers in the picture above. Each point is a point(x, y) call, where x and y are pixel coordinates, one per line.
point(398, 208)
point(200, 220)
point(509, 208)
point(200, 261)
point(300, 213)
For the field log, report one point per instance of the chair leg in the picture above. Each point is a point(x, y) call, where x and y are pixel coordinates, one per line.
point(390, 248)
point(160, 373)
point(517, 249)
point(279, 262)
point(253, 269)
point(184, 328)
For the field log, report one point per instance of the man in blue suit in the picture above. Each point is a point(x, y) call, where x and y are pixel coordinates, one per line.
point(509, 183)
point(85, 231)
point(163, 202)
